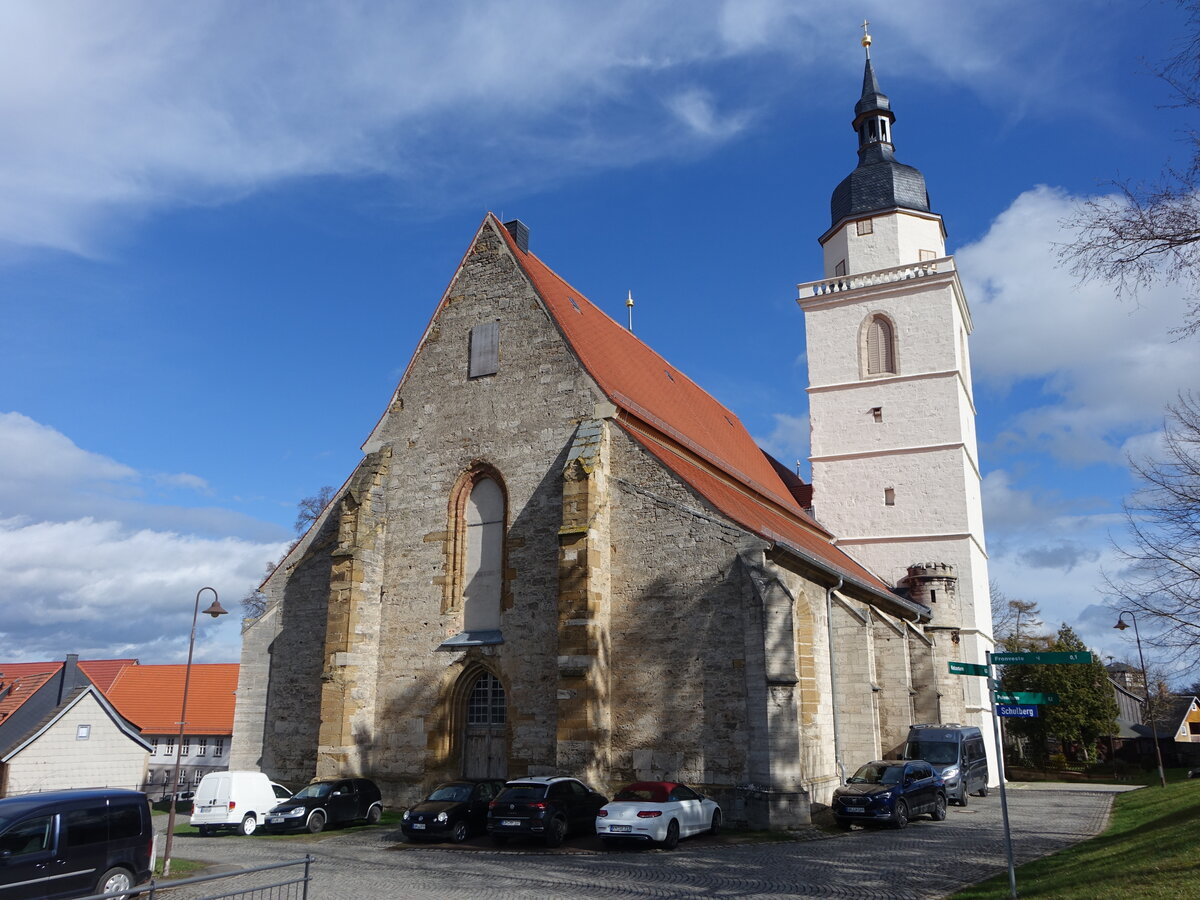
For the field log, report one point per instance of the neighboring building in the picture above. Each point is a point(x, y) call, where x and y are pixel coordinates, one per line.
point(1177, 718)
point(1127, 677)
point(561, 555)
point(152, 697)
point(58, 731)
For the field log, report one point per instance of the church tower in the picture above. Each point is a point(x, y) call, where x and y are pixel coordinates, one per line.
point(895, 469)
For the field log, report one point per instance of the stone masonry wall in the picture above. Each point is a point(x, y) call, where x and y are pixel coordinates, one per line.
point(519, 423)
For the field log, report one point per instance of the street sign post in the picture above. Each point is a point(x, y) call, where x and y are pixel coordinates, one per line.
point(1017, 710)
point(1027, 698)
point(961, 668)
point(1029, 659)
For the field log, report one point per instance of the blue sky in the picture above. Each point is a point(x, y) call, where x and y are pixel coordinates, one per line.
point(223, 228)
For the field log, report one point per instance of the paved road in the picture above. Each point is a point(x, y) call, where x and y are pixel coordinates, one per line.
point(926, 860)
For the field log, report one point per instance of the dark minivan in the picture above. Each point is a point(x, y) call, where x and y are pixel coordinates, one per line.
point(74, 843)
point(956, 752)
point(336, 801)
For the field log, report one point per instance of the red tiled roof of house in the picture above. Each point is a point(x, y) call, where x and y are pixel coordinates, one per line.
point(152, 696)
point(102, 672)
point(19, 681)
point(684, 426)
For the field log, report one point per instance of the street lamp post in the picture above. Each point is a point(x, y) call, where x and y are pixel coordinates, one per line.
point(1122, 625)
point(214, 610)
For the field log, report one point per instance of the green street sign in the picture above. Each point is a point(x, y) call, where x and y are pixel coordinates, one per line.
point(1027, 698)
point(957, 668)
point(1017, 659)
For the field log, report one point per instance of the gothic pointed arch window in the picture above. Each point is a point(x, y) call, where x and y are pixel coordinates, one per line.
point(878, 346)
point(475, 580)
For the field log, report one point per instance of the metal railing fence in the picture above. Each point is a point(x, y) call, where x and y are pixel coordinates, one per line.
point(293, 886)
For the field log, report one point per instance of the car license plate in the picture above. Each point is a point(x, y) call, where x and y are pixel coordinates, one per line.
point(510, 823)
point(418, 826)
point(275, 820)
point(620, 829)
point(855, 809)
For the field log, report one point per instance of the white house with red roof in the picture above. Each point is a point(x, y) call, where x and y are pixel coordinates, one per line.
point(560, 555)
point(58, 731)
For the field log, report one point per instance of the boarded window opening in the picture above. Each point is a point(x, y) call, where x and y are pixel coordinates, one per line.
point(889, 496)
point(485, 350)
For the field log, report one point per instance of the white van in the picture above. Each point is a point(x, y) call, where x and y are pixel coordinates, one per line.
point(239, 800)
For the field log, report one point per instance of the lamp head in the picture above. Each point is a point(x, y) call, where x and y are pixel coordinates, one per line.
point(1121, 624)
point(216, 609)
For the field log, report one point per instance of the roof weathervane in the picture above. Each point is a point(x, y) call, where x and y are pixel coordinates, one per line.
point(629, 306)
point(866, 38)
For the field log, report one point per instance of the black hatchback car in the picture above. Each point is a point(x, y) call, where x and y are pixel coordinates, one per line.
point(546, 808)
point(455, 810)
point(890, 793)
point(336, 801)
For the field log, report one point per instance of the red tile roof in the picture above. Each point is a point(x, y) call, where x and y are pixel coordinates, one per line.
point(698, 438)
point(152, 696)
point(19, 681)
point(102, 672)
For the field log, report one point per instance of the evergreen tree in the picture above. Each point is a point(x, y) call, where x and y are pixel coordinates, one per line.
point(1086, 710)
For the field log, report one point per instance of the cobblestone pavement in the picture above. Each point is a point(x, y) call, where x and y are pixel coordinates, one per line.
point(926, 860)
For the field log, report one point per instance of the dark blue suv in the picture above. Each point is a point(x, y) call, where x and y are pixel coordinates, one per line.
point(890, 793)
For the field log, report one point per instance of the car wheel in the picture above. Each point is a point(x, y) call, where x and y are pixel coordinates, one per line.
point(962, 795)
point(556, 832)
point(205, 830)
point(374, 814)
point(715, 827)
point(249, 824)
point(671, 841)
point(461, 832)
point(114, 880)
point(900, 814)
point(499, 839)
point(983, 790)
point(939, 808)
point(316, 822)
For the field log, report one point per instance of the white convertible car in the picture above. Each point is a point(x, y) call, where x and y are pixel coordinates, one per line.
point(660, 811)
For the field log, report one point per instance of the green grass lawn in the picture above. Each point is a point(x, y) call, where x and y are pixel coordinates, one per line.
point(1149, 852)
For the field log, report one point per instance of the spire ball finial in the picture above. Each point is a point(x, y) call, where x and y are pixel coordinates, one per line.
point(866, 38)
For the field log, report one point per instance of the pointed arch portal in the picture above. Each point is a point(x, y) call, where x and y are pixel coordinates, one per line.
point(485, 727)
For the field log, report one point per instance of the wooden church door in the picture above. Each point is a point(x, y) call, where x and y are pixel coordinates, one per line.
point(485, 750)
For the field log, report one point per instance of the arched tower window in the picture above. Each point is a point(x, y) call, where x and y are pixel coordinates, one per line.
point(475, 580)
point(879, 347)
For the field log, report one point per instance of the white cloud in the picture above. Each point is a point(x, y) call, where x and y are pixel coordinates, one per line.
point(1105, 369)
point(89, 566)
point(788, 441)
point(110, 111)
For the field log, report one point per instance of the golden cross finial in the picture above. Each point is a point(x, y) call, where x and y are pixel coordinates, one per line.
point(866, 38)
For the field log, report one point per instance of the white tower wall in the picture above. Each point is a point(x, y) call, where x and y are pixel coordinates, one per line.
point(902, 237)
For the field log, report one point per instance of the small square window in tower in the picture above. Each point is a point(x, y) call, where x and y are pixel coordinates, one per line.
point(889, 496)
point(866, 226)
point(484, 350)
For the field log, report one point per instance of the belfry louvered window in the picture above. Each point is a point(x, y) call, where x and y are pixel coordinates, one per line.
point(881, 347)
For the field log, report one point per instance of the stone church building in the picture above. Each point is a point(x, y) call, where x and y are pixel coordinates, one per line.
point(560, 555)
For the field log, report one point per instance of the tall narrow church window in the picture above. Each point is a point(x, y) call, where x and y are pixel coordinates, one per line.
point(880, 350)
point(475, 576)
point(485, 551)
point(485, 350)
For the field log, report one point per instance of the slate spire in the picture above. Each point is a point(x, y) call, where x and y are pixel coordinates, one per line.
point(879, 182)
